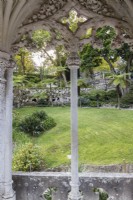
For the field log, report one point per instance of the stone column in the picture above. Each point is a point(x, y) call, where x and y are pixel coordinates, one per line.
point(73, 64)
point(2, 124)
point(8, 191)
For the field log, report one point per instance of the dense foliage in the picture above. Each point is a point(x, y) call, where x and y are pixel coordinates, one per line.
point(37, 123)
point(28, 157)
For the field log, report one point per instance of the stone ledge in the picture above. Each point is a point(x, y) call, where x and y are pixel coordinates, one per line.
point(31, 186)
point(65, 174)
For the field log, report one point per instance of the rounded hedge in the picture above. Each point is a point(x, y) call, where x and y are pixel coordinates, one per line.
point(37, 123)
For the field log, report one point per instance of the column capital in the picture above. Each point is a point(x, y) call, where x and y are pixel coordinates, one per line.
point(3, 66)
point(73, 61)
point(4, 55)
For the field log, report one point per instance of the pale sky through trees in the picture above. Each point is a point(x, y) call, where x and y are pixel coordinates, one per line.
point(39, 59)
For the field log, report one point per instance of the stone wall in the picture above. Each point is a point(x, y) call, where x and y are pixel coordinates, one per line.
point(31, 186)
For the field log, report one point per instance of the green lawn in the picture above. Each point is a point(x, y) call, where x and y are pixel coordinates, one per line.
point(105, 136)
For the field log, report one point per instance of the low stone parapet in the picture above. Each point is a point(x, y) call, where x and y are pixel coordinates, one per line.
point(32, 186)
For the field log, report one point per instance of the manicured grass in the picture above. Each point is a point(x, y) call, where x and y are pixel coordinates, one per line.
point(105, 136)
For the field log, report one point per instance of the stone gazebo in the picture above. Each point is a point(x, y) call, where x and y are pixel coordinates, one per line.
point(22, 17)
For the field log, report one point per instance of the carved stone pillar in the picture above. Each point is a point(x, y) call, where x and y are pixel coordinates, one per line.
point(73, 63)
point(6, 90)
point(2, 124)
point(8, 191)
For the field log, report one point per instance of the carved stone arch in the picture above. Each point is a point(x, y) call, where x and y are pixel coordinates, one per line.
point(26, 16)
point(52, 26)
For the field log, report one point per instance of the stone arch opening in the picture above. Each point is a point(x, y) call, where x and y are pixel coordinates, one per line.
point(20, 17)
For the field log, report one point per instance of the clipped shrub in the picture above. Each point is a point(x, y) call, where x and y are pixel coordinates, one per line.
point(37, 123)
point(31, 125)
point(27, 158)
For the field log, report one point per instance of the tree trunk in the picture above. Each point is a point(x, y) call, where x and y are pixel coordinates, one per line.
point(112, 69)
point(127, 70)
point(64, 78)
point(118, 95)
point(23, 64)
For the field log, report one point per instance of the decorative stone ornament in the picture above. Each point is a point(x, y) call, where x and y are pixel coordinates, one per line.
point(73, 60)
point(3, 66)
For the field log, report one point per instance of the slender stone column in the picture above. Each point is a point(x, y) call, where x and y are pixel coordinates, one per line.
point(8, 191)
point(2, 124)
point(73, 64)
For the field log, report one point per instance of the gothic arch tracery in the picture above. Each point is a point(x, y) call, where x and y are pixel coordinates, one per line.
point(20, 17)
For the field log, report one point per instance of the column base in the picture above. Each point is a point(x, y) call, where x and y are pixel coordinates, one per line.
point(10, 197)
point(73, 197)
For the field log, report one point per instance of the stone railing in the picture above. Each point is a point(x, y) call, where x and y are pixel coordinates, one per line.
point(33, 185)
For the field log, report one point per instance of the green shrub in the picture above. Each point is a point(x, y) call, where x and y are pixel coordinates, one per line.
point(27, 158)
point(49, 123)
point(103, 195)
point(111, 94)
point(127, 99)
point(40, 115)
point(42, 102)
point(124, 106)
point(95, 95)
point(47, 195)
point(83, 101)
point(37, 123)
point(94, 104)
point(31, 125)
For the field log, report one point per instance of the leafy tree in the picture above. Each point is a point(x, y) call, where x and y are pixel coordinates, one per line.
point(106, 35)
point(24, 62)
point(90, 58)
point(108, 56)
point(120, 81)
point(127, 55)
point(41, 39)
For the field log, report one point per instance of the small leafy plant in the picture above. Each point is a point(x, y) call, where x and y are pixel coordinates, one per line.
point(103, 195)
point(47, 195)
point(27, 158)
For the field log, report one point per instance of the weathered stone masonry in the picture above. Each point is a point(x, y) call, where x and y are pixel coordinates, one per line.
point(30, 186)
